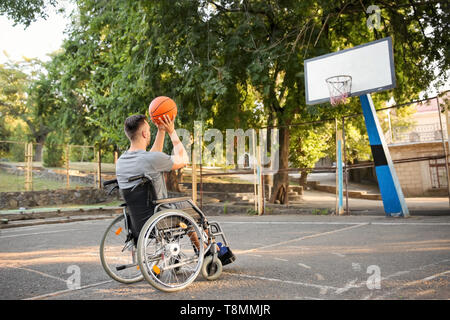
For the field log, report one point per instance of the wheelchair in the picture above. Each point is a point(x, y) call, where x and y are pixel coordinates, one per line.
point(167, 246)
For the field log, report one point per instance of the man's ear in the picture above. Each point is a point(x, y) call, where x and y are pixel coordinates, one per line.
point(144, 133)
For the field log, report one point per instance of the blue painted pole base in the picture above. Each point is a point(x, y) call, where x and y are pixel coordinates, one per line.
point(390, 189)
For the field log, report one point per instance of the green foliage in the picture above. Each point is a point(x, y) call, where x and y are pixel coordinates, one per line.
point(17, 152)
point(322, 212)
point(231, 64)
point(309, 144)
point(19, 98)
point(25, 11)
point(54, 152)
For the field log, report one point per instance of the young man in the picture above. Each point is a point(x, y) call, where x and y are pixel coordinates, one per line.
point(136, 160)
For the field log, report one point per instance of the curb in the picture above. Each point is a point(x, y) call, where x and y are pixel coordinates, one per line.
point(30, 217)
point(41, 221)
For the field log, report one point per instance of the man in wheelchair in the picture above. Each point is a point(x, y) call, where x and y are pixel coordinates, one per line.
point(137, 161)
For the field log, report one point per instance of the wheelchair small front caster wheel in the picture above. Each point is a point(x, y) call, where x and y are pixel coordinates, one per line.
point(211, 270)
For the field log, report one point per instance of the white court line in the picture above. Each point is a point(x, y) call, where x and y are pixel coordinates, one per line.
point(435, 276)
point(340, 223)
point(352, 284)
point(413, 283)
point(39, 272)
point(37, 233)
point(321, 287)
point(281, 259)
point(338, 254)
point(52, 294)
point(303, 238)
point(304, 266)
point(290, 222)
point(307, 298)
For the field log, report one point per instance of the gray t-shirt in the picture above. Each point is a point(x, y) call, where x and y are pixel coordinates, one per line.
point(132, 163)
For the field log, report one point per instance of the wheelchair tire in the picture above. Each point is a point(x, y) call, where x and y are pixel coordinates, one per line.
point(211, 270)
point(168, 259)
point(112, 255)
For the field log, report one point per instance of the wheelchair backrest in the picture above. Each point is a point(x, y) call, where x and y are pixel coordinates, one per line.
point(140, 205)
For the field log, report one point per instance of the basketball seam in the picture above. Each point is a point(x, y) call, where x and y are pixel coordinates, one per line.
point(151, 112)
point(160, 114)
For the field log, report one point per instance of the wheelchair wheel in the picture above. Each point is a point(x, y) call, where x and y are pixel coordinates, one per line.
point(167, 254)
point(211, 270)
point(118, 256)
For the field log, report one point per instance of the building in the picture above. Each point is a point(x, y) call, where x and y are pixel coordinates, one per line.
point(421, 139)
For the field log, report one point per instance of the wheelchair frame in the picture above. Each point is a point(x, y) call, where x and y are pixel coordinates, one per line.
point(211, 266)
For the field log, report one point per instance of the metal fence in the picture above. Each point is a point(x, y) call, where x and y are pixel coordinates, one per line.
point(417, 136)
point(28, 166)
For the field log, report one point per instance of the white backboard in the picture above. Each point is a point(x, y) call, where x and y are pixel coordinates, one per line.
point(370, 65)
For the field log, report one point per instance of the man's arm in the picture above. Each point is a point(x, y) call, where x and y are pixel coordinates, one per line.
point(159, 140)
point(180, 158)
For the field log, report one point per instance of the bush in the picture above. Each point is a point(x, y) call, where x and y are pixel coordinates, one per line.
point(53, 153)
point(17, 152)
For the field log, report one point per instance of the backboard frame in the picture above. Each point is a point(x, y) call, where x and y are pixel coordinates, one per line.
point(390, 65)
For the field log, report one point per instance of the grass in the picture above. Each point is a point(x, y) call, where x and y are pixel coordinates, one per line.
point(80, 166)
point(322, 212)
point(12, 183)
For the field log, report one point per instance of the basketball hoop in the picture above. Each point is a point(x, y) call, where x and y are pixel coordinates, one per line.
point(340, 88)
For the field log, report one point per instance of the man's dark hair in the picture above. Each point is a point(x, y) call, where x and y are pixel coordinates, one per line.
point(132, 124)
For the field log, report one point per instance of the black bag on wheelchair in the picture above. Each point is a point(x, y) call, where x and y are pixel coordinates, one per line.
point(140, 206)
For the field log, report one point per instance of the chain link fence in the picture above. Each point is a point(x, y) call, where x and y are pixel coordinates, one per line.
point(28, 166)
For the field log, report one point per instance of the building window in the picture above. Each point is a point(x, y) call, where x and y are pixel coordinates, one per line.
point(438, 174)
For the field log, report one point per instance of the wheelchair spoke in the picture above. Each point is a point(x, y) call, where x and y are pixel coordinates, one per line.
point(117, 254)
point(170, 252)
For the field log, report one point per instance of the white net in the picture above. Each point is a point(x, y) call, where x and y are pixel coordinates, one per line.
point(340, 88)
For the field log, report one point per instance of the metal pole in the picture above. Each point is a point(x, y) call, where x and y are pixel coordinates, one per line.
point(67, 167)
point(194, 180)
point(445, 149)
point(260, 190)
point(28, 166)
point(337, 173)
point(99, 168)
point(201, 186)
point(345, 167)
point(255, 163)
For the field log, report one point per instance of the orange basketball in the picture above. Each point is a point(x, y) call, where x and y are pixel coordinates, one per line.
point(162, 106)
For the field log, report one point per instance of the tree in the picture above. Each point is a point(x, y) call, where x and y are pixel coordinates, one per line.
point(16, 101)
point(25, 11)
point(211, 56)
point(309, 143)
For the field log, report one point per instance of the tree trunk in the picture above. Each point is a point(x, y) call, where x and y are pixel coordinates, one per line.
point(303, 178)
point(172, 181)
point(40, 140)
point(268, 179)
point(281, 178)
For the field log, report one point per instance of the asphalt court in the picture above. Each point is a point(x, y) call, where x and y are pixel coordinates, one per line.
point(284, 257)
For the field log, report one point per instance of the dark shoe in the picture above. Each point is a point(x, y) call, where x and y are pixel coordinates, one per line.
point(225, 254)
point(227, 258)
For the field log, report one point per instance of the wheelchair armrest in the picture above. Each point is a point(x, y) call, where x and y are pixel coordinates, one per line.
point(105, 183)
point(170, 200)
